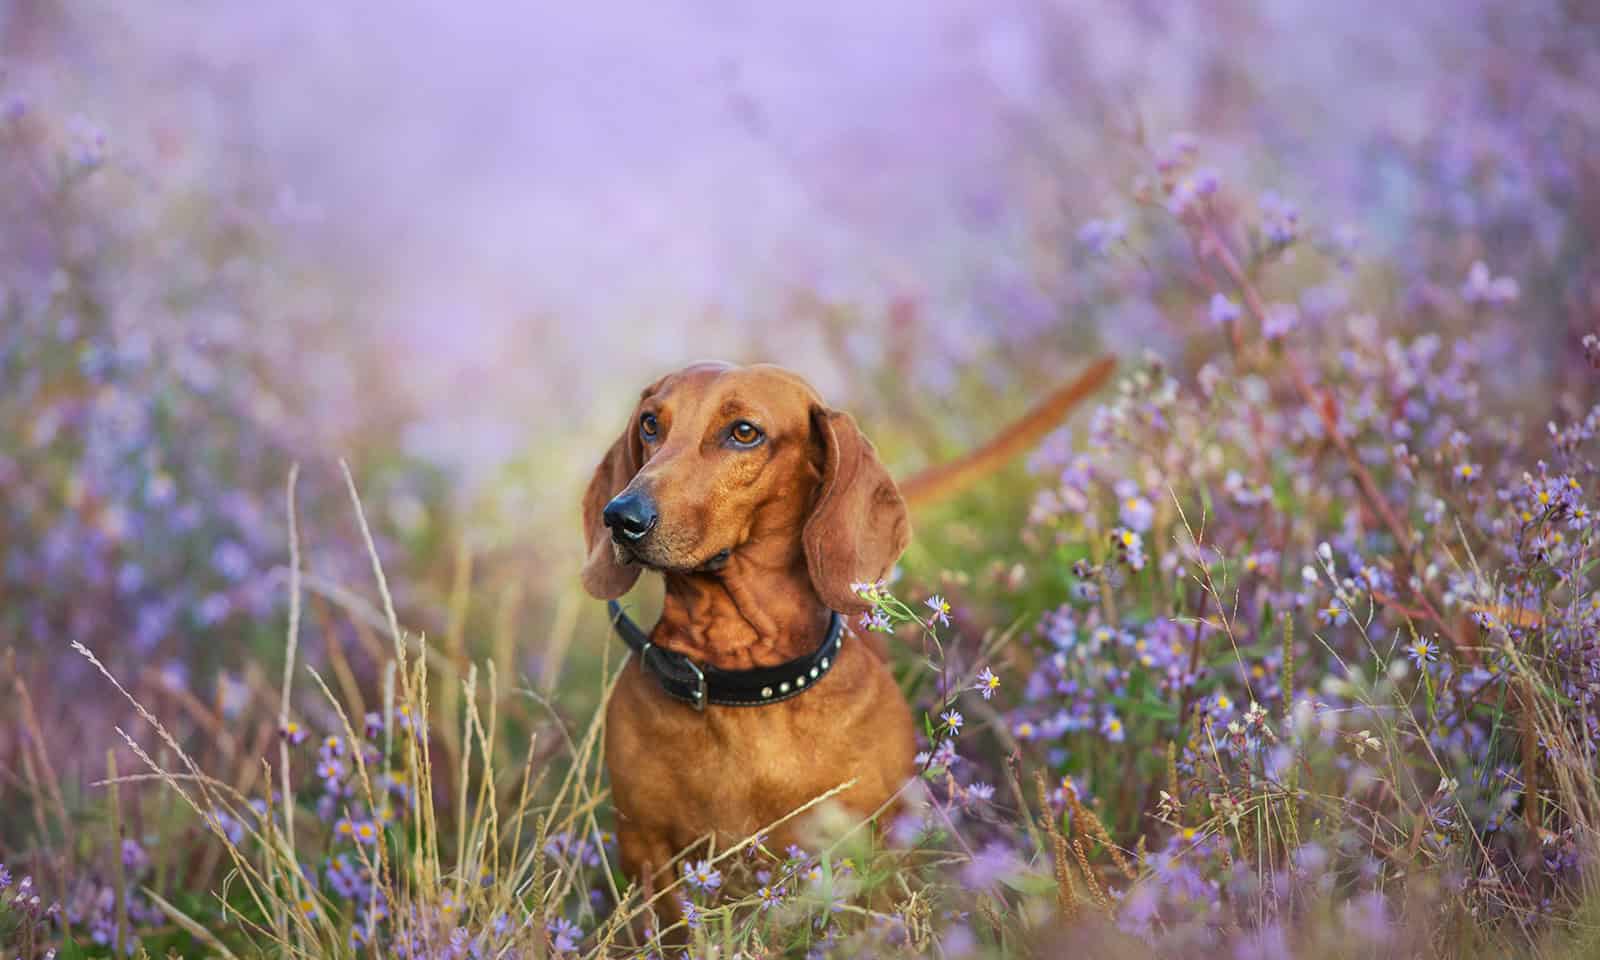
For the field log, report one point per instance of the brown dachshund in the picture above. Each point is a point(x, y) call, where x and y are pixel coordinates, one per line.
point(760, 507)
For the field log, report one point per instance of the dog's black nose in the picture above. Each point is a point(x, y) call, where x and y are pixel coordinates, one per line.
point(630, 516)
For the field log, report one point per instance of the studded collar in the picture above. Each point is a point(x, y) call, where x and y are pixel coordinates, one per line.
point(698, 684)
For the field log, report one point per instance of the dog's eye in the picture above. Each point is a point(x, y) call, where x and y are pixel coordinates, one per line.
point(745, 434)
point(649, 426)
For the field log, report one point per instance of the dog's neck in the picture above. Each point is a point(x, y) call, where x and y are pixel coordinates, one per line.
point(753, 612)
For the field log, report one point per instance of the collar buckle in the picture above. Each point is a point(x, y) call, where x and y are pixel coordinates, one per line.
point(699, 702)
point(696, 696)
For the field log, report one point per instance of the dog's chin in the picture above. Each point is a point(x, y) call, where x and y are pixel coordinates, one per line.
point(661, 564)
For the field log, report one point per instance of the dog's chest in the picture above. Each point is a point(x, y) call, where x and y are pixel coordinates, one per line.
point(733, 770)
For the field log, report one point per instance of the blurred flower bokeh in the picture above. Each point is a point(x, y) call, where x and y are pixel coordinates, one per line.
point(447, 243)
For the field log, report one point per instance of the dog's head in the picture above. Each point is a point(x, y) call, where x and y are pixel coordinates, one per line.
point(718, 459)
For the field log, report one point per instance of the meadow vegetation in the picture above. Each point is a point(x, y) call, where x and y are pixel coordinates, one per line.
point(1286, 645)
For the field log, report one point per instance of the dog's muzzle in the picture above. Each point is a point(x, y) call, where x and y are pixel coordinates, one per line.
point(630, 516)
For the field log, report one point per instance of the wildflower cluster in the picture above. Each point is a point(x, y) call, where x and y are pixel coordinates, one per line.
point(1271, 560)
point(26, 917)
point(155, 388)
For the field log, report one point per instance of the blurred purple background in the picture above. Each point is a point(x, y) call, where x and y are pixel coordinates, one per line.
point(527, 205)
point(450, 241)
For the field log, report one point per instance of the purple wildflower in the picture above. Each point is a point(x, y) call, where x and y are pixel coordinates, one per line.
point(702, 876)
point(1099, 236)
point(1222, 310)
point(1422, 652)
point(564, 935)
point(987, 683)
point(1111, 726)
point(1280, 320)
point(770, 897)
point(1483, 287)
point(991, 865)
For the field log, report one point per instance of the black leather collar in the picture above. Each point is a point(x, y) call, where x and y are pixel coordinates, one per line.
point(698, 684)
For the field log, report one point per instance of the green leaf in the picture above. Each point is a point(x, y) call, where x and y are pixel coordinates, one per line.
point(70, 949)
point(1030, 883)
point(1151, 708)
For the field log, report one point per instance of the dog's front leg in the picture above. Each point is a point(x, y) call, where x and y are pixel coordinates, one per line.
point(644, 856)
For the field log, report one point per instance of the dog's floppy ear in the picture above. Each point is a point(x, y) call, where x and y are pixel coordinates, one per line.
point(603, 576)
point(859, 525)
